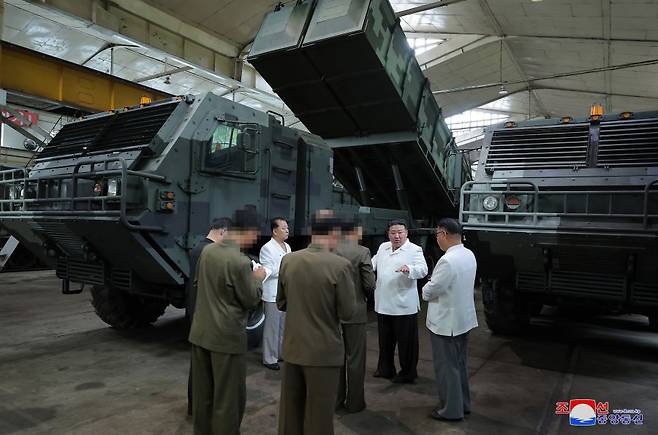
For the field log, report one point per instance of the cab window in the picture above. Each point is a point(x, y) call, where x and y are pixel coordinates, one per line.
point(222, 143)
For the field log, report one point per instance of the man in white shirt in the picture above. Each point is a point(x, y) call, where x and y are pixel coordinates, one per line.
point(270, 257)
point(450, 315)
point(398, 263)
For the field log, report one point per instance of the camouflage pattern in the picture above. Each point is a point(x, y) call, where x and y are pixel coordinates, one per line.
point(119, 198)
point(353, 79)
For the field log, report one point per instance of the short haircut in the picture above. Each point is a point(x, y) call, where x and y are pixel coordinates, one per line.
point(246, 219)
point(323, 225)
point(451, 226)
point(397, 222)
point(222, 223)
point(274, 223)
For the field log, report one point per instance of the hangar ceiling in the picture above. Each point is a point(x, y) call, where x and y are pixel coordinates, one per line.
point(461, 45)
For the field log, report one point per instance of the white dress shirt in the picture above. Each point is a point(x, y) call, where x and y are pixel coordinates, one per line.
point(270, 257)
point(451, 308)
point(396, 293)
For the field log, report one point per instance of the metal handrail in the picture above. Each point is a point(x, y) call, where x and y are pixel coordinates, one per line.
point(74, 177)
point(647, 190)
point(535, 193)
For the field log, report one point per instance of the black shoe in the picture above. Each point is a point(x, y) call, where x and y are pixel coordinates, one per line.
point(377, 374)
point(273, 366)
point(436, 416)
point(397, 379)
point(467, 412)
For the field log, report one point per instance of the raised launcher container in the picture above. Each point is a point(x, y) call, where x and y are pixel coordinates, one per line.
point(345, 69)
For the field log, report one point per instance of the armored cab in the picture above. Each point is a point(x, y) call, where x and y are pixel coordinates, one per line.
point(565, 212)
point(118, 199)
point(345, 69)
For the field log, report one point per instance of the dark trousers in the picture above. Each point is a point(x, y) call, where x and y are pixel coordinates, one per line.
point(308, 397)
point(403, 332)
point(352, 374)
point(219, 392)
point(189, 316)
point(450, 355)
point(189, 384)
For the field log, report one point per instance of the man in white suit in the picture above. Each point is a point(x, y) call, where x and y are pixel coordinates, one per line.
point(399, 264)
point(450, 316)
point(270, 258)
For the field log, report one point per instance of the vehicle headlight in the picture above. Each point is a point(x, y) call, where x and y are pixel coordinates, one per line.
point(112, 187)
point(513, 202)
point(490, 203)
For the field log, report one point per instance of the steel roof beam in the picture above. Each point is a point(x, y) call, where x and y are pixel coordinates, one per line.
point(427, 7)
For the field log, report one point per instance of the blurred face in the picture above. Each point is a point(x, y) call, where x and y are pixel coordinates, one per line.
point(329, 241)
point(280, 233)
point(397, 234)
point(333, 239)
point(351, 236)
point(246, 238)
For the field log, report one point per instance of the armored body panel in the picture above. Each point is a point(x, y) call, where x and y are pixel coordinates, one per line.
point(345, 69)
point(118, 199)
point(566, 211)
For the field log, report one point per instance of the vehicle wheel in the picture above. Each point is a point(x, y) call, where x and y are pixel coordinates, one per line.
point(189, 310)
point(505, 312)
point(534, 308)
point(255, 326)
point(124, 311)
point(653, 322)
point(432, 256)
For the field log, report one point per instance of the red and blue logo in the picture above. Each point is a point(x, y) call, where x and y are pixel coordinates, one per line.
point(582, 412)
point(588, 412)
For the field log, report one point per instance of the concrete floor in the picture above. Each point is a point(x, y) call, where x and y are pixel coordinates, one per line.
point(62, 370)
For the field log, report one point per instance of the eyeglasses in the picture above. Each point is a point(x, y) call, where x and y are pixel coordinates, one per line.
point(441, 232)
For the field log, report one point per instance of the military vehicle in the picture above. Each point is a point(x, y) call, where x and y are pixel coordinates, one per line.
point(565, 212)
point(13, 257)
point(118, 199)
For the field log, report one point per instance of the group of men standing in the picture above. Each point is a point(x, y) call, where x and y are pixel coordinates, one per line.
point(399, 263)
point(315, 303)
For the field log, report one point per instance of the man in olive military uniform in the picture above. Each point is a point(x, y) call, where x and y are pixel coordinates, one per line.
point(316, 290)
point(351, 394)
point(218, 229)
point(226, 289)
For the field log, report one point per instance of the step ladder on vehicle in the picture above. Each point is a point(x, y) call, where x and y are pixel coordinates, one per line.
point(5, 253)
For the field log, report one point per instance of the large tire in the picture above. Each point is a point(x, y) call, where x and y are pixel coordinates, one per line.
point(653, 322)
point(505, 312)
point(255, 326)
point(125, 311)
